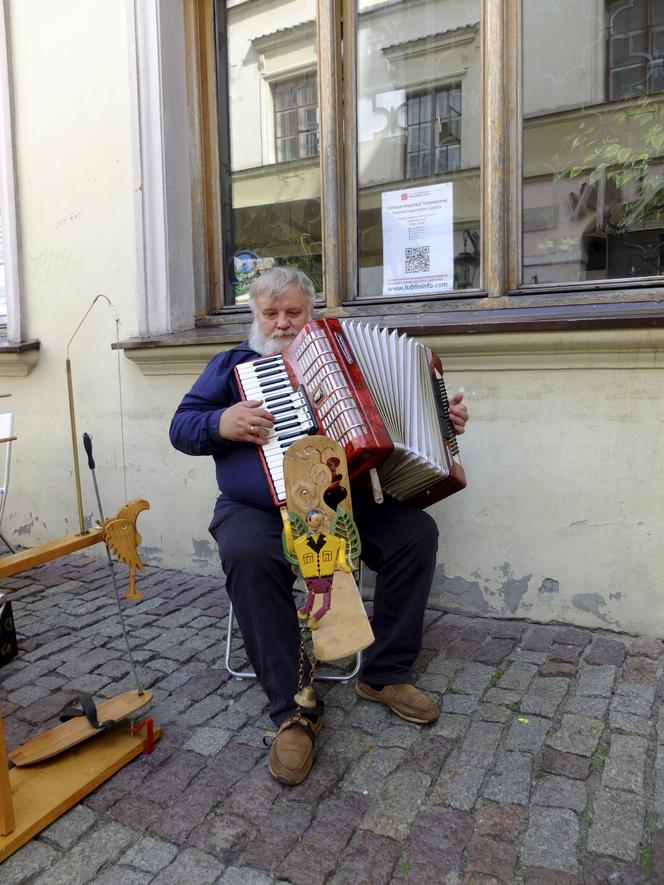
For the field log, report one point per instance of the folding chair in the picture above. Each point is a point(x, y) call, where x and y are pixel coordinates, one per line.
point(6, 437)
point(250, 674)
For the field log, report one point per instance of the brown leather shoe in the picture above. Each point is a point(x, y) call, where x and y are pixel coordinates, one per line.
point(292, 751)
point(406, 701)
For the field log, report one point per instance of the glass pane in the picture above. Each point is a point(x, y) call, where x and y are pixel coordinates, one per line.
point(273, 191)
point(418, 124)
point(593, 142)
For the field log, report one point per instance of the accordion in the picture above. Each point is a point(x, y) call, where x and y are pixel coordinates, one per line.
point(379, 394)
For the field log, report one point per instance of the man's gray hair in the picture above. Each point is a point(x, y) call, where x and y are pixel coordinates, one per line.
point(274, 281)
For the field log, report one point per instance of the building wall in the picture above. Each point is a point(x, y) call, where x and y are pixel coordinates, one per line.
point(562, 517)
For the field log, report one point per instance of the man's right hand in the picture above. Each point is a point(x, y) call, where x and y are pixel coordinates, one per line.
point(246, 422)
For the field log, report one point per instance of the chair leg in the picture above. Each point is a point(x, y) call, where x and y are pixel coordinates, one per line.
point(250, 674)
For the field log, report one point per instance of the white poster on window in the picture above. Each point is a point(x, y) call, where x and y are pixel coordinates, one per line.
point(418, 252)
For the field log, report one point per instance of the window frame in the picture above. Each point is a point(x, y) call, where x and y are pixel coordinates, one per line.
point(501, 183)
point(8, 191)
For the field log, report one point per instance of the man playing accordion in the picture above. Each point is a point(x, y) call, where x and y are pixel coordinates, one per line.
point(399, 542)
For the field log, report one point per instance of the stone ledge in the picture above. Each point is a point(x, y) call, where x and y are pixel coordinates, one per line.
point(18, 359)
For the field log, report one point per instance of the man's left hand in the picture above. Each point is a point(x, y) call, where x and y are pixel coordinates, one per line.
point(458, 412)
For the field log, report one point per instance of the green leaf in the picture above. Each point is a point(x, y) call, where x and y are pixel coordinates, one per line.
point(344, 527)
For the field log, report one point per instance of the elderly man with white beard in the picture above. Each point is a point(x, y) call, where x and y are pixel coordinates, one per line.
point(399, 542)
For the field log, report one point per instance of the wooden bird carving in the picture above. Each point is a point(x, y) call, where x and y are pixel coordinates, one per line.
point(122, 537)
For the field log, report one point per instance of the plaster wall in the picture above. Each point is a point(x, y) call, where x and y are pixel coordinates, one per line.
point(562, 518)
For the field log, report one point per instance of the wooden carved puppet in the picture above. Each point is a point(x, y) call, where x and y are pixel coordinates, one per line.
point(321, 541)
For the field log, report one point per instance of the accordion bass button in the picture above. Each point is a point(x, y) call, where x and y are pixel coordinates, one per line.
point(317, 396)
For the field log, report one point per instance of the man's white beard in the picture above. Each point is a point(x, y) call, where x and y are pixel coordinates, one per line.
point(268, 345)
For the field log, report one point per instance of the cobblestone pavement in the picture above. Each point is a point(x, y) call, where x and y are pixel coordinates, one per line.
point(546, 766)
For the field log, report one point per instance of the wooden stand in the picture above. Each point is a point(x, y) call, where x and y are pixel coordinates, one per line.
point(31, 798)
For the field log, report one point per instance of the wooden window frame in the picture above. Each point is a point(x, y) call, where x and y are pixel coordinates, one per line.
point(500, 177)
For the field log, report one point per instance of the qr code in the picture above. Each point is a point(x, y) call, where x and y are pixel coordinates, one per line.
point(417, 259)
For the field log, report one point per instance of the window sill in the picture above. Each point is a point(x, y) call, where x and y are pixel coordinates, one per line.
point(484, 330)
point(18, 360)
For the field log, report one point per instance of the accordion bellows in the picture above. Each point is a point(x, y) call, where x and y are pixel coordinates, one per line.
point(397, 371)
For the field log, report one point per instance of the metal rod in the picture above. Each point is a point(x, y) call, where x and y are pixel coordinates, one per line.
point(77, 469)
point(87, 444)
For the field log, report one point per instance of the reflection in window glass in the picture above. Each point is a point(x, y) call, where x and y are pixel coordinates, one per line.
point(418, 124)
point(593, 189)
point(273, 190)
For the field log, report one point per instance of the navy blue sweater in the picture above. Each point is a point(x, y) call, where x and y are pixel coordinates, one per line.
point(195, 431)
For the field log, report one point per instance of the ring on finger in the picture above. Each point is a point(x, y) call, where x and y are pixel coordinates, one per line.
point(252, 429)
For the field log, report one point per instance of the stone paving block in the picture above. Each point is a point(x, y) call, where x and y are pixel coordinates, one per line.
point(560, 792)
point(564, 654)
point(70, 827)
point(442, 666)
point(544, 695)
point(459, 703)
point(118, 875)
point(172, 778)
point(596, 680)
point(494, 713)
point(80, 864)
point(606, 651)
point(592, 707)
point(617, 825)
point(253, 796)
point(658, 796)
point(400, 735)
point(451, 725)
point(505, 822)
point(316, 856)
point(577, 734)
point(393, 813)
point(507, 629)
point(244, 876)
point(368, 775)
point(370, 859)
point(219, 835)
point(646, 647)
point(517, 676)
point(437, 841)
point(574, 636)
point(427, 754)
point(511, 781)
point(473, 678)
point(599, 871)
point(527, 733)
point(463, 649)
point(539, 638)
point(507, 698)
point(459, 783)
point(557, 668)
point(191, 865)
point(32, 858)
point(278, 833)
point(494, 651)
point(629, 724)
point(550, 840)
point(321, 782)
point(491, 857)
point(149, 854)
point(640, 670)
point(633, 698)
point(480, 742)
point(204, 710)
point(370, 716)
point(208, 741)
point(27, 695)
point(539, 876)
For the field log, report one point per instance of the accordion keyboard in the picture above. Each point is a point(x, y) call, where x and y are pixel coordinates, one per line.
point(267, 379)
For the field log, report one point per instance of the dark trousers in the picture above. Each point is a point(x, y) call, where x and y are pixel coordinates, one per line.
point(399, 543)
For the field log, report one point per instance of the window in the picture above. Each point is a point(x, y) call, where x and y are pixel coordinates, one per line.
point(538, 123)
point(635, 44)
point(10, 308)
point(296, 118)
point(433, 121)
point(593, 170)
